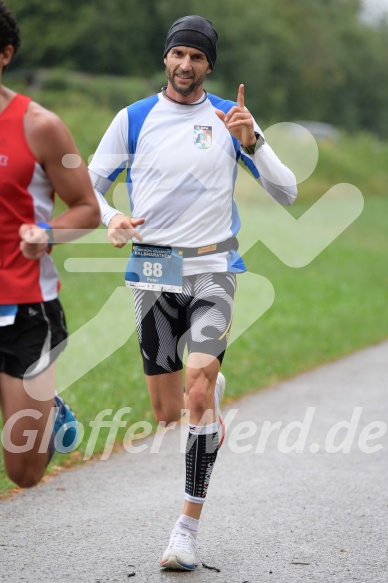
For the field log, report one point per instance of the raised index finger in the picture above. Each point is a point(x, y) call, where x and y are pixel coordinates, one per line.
point(240, 96)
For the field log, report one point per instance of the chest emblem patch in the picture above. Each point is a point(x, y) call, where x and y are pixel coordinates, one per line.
point(203, 137)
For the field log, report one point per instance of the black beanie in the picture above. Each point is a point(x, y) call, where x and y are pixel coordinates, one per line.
point(196, 32)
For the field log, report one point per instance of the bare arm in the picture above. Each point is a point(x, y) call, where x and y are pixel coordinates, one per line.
point(53, 146)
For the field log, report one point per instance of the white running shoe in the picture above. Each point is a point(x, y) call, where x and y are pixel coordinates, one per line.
point(180, 553)
point(218, 394)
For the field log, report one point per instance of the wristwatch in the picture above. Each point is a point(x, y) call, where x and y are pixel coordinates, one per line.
point(260, 141)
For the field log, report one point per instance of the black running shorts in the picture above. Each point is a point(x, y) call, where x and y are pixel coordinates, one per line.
point(34, 340)
point(199, 318)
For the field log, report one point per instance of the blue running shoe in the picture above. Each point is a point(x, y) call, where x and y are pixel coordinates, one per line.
point(65, 432)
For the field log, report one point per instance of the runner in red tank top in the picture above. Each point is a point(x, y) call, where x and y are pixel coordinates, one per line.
point(26, 196)
point(33, 142)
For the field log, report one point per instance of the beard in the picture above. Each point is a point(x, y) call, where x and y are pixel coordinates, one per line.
point(196, 82)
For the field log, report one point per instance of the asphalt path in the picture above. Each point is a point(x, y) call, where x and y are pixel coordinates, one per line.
point(298, 494)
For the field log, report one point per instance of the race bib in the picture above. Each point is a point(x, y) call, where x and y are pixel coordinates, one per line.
point(154, 268)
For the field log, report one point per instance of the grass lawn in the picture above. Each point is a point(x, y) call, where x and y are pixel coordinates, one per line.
point(333, 306)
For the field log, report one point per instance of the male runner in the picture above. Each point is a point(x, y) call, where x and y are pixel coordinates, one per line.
point(34, 146)
point(181, 148)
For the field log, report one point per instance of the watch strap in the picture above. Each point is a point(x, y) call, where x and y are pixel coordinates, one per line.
point(260, 141)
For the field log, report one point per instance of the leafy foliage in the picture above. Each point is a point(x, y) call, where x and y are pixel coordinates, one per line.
point(298, 59)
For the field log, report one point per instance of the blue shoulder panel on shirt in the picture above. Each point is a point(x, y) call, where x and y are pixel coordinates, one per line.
point(137, 113)
point(224, 105)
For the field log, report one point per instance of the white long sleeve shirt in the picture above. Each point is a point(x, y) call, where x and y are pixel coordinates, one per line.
point(181, 165)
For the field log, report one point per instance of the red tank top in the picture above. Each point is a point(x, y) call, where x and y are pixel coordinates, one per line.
point(26, 196)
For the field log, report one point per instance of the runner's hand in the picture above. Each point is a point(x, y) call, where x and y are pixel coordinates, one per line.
point(121, 229)
point(238, 121)
point(34, 241)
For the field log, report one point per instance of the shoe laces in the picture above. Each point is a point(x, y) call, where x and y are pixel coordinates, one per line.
point(183, 541)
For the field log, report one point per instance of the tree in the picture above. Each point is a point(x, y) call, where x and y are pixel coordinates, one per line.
point(299, 59)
